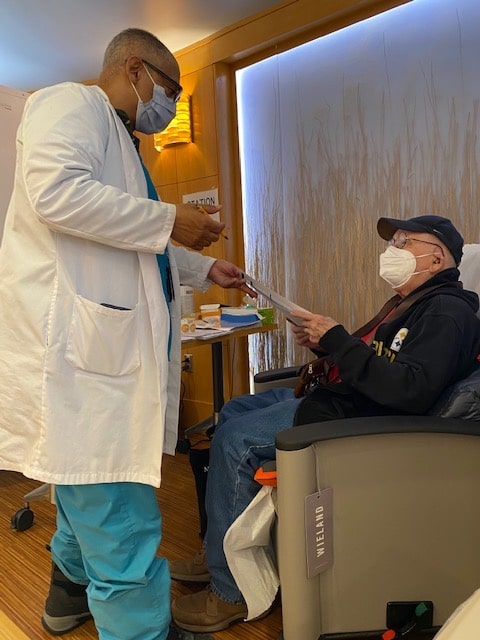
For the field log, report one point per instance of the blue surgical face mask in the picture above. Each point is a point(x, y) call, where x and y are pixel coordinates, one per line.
point(156, 114)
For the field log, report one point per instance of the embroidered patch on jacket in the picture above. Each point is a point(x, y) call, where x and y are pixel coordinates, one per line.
point(398, 339)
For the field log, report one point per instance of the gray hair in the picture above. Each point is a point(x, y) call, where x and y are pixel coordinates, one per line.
point(134, 42)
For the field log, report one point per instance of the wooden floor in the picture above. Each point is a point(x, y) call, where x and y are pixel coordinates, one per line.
point(25, 563)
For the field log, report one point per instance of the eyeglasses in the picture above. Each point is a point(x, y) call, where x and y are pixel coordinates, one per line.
point(175, 88)
point(401, 240)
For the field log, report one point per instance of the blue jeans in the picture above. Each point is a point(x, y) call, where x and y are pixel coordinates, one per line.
point(244, 439)
point(107, 538)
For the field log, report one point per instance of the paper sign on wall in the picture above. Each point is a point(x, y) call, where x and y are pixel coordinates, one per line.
point(203, 197)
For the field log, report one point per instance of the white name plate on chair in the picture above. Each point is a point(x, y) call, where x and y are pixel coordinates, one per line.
point(319, 531)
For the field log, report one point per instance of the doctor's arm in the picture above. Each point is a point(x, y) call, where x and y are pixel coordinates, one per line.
point(199, 271)
point(74, 182)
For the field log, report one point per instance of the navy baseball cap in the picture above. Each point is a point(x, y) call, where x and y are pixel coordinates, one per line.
point(437, 226)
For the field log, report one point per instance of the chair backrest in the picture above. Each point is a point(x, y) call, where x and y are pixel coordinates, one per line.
point(462, 399)
point(470, 267)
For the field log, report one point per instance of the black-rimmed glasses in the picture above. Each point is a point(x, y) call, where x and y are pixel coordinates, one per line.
point(175, 87)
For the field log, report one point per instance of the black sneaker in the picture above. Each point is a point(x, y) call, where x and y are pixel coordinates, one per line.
point(66, 606)
point(180, 634)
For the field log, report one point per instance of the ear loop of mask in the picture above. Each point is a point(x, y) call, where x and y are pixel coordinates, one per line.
point(135, 88)
point(422, 255)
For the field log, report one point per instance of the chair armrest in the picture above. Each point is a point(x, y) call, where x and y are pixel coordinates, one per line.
point(281, 373)
point(303, 436)
point(282, 377)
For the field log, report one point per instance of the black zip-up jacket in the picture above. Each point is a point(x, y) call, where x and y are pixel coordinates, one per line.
point(416, 356)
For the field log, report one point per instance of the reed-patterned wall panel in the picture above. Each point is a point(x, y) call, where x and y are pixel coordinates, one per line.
point(377, 119)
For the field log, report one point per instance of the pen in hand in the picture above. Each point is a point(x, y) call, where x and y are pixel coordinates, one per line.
point(204, 211)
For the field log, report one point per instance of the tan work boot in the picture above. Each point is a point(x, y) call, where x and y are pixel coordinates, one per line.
point(192, 569)
point(204, 612)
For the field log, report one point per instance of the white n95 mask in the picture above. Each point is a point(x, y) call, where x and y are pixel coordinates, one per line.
point(397, 266)
point(156, 114)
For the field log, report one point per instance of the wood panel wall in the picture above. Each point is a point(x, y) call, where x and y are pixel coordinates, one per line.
point(211, 160)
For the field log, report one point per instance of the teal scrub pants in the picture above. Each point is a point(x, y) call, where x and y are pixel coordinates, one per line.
point(107, 538)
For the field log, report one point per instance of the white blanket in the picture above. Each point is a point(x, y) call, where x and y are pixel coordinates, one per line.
point(464, 623)
point(250, 555)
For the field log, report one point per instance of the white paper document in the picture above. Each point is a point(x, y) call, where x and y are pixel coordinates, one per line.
point(279, 302)
point(205, 332)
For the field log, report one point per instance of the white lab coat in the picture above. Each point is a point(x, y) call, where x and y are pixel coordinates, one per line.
point(87, 394)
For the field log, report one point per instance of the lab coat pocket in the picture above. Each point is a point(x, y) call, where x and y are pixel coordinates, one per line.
point(103, 339)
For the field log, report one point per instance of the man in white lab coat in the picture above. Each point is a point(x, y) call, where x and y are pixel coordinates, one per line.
point(90, 333)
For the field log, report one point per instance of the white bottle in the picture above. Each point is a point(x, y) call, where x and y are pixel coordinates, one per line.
point(186, 301)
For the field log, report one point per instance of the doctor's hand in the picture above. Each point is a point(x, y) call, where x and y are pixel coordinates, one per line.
point(229, 276)
point(313, 327)
point(194, 229)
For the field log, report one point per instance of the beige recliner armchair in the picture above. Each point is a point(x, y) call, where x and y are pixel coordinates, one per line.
point(403, 522)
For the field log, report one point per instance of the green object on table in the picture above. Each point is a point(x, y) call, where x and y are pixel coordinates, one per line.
point(268, 315)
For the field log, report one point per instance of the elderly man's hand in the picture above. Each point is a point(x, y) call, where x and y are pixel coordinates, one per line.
point(194, 229)
point(313, 328)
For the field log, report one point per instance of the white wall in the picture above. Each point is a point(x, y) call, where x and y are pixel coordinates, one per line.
point(11, 108)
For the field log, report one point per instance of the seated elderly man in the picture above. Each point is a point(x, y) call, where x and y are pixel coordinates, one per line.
point(429, 341)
